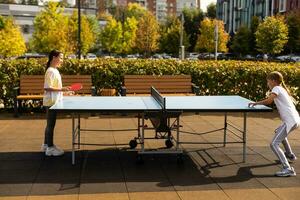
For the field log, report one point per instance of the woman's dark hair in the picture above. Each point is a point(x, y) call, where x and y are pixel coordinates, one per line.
point(53, 53)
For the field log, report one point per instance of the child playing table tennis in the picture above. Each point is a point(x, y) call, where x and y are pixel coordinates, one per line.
point(53, 93)
point(289, 116)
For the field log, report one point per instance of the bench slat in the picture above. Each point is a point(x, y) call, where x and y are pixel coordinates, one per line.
point(34, 84)
point(141, 84)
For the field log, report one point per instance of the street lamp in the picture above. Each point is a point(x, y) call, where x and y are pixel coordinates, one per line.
point(79, 30)
point(216, 34)
point(181, 51)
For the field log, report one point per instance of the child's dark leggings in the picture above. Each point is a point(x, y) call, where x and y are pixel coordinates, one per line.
point(51, 120)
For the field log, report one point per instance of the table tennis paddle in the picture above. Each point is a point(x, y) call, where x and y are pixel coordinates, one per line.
point(76, 87)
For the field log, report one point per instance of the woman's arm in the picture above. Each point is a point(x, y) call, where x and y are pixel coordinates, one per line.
point(266, 101)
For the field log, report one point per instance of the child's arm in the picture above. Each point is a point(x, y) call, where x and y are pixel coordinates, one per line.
point(266, 101)
point(63, 89)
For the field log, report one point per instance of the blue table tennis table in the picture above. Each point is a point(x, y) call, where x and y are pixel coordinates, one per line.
point(163, 111)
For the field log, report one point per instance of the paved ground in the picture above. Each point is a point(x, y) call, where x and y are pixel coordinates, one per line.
point(110, 171)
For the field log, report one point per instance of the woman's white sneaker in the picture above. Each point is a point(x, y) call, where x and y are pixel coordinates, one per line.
point(54, 151)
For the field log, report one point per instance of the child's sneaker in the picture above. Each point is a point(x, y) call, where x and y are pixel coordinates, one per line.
point(54, 151)
point(292, 157)
point(44, 147)
point(286, 172)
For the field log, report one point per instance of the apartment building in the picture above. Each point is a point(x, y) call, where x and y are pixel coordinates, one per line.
point(160, 8)
point(236, 13)
point(181, 4)
point(24, 15)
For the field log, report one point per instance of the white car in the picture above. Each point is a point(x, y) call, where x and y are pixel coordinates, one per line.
point(91, 56)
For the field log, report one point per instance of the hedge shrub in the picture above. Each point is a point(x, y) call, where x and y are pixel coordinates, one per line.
point(244, 78)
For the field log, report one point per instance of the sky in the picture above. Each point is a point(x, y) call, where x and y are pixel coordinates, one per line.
point(205, 3)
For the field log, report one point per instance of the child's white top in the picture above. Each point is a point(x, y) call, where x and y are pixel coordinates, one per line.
point(287, 110)
point(52, 79)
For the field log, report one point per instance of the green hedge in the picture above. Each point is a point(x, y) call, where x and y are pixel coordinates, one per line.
point(247, 79)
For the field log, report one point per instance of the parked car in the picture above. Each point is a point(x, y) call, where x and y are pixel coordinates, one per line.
point(91, 56)
point(262, 57)
point(288, 58)
point(31, 55)
point(73, 56)
point(131, 56)
point(157, 56)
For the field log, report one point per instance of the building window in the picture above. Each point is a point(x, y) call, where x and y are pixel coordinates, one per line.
point(282, 5)
point(26, 29)
point(225, 12)
point(240, 4)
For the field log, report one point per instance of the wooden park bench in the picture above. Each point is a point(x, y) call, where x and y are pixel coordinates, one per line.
point(32, 88)
point(165, 84)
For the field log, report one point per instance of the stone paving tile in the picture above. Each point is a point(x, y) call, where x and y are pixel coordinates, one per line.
point(53, 197)
point(154, 195)
point(104, 196)
point(250, 194)
point(13, 198)
point(287, 193)
point(203, 195)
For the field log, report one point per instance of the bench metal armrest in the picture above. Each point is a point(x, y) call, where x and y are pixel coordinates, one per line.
point(196, 89)
point(93, 91)
point(16, 91)
point(122, 91)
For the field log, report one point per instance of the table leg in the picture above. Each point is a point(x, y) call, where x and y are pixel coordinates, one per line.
point(225, 130)
point(73, 139)
point(143, 133)
point(245, 137)
point(177, 131)
point(78, 136)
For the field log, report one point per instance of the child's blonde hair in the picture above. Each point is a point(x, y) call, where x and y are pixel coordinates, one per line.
point(277, 76)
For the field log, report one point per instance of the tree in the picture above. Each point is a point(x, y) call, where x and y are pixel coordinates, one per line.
point(255, 21)
point(135, 10)
point(206, 40)
point(88, 33)
point(271, 35)
point(211, 11)
point(129, 35)
point(12, 42)
point(192, 19)
point(111, 36)
point(241, 40)
point(293, 22)
point(95, 28)
point(170, 36)
point(50, 30)
point(147, 35)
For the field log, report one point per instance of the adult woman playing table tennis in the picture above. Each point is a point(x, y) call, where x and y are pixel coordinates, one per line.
point(53, 93)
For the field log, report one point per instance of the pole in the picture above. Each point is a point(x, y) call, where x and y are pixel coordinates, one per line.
point(79, 30)
point(216, 40)
point(181, 53)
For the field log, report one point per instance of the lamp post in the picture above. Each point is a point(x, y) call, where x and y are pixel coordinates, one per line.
point(216, 40)
point(79, 30)
point(181, 51)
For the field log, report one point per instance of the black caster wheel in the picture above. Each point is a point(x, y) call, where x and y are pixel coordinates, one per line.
point(168, 143)
point(132, 144)
point(139, 159)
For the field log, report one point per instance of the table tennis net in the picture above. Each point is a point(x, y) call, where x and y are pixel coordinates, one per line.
point(158, 97)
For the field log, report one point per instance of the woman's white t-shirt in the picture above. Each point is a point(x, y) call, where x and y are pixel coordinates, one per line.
point(53, 80)
point(287, 110)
